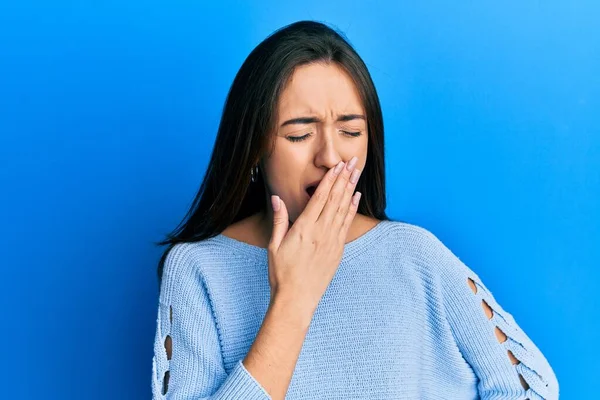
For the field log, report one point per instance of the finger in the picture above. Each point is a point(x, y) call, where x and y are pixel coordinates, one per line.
point(352, 210)
point(336, 195)
point(346, 203)
point(280, 222)
point(319, 198)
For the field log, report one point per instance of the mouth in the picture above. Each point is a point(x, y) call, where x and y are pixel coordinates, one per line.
point(311, 187)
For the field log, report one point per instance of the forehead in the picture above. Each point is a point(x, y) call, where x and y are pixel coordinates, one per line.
point(319, 89)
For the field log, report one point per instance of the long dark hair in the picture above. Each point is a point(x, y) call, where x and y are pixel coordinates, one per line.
point(249, 117)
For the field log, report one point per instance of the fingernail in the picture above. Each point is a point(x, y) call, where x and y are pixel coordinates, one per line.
point(355, 175)
point(338, 167)
point(352, 163)
point(275, 202)
point(356, 198)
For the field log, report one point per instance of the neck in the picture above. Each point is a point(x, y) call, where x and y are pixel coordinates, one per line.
point(263, 221)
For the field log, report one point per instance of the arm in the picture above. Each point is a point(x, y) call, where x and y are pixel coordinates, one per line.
point(275, 351)
point(506, 361)
point(188, 363)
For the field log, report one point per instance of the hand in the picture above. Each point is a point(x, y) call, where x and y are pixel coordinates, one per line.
point(303, 260)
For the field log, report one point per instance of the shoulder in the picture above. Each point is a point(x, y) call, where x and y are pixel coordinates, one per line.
point(188, 270)
point(180, 265)
point(424, 247)
point(185, 262)
point(417, 240)
point(180, 253)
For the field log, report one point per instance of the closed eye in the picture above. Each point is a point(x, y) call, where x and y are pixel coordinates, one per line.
point(304, 137)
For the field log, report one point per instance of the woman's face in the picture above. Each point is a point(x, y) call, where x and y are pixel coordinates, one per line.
point(321, 121)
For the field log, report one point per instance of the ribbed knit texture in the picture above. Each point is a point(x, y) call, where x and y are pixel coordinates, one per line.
point(398, 321)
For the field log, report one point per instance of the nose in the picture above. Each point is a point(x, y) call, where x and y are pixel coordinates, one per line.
point(327, 155)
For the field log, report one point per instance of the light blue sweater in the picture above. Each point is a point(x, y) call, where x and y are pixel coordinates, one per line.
point(399, 320)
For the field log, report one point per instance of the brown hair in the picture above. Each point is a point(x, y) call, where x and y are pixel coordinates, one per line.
point(244, 135)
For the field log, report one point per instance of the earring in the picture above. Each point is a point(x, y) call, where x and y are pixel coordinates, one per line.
point(254, 173)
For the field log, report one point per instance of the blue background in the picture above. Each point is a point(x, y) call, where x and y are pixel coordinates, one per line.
point(109, 112)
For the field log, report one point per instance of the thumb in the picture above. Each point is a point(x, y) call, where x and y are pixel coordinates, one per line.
point(280, 221)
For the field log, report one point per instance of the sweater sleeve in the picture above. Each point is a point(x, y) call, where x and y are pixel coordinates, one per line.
point(193, 369)
point(506, 361)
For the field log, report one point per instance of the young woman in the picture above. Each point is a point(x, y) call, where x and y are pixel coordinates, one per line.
point(287, 279)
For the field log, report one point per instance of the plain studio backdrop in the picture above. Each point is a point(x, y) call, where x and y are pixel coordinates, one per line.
point(108, 114)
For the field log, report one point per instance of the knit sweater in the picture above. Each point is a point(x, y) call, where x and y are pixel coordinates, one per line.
point(402, 318)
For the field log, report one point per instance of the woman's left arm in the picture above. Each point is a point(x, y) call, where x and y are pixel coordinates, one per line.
point(506, 361)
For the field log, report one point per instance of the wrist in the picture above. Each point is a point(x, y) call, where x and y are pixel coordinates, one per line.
point(292, 310)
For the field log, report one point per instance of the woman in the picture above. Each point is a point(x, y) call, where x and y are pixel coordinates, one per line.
point(283, 282)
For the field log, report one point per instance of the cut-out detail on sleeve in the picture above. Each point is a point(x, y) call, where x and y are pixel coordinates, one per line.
point(166, 354)
point(169, 352)
point(529, 374)
point(188, 360)
point(481, 340)
point(163, 349)
point(501, 336)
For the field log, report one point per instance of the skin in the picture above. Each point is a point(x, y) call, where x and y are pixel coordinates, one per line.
point(323, 92)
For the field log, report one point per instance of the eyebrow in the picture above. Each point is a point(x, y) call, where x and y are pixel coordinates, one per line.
point(311, 120)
